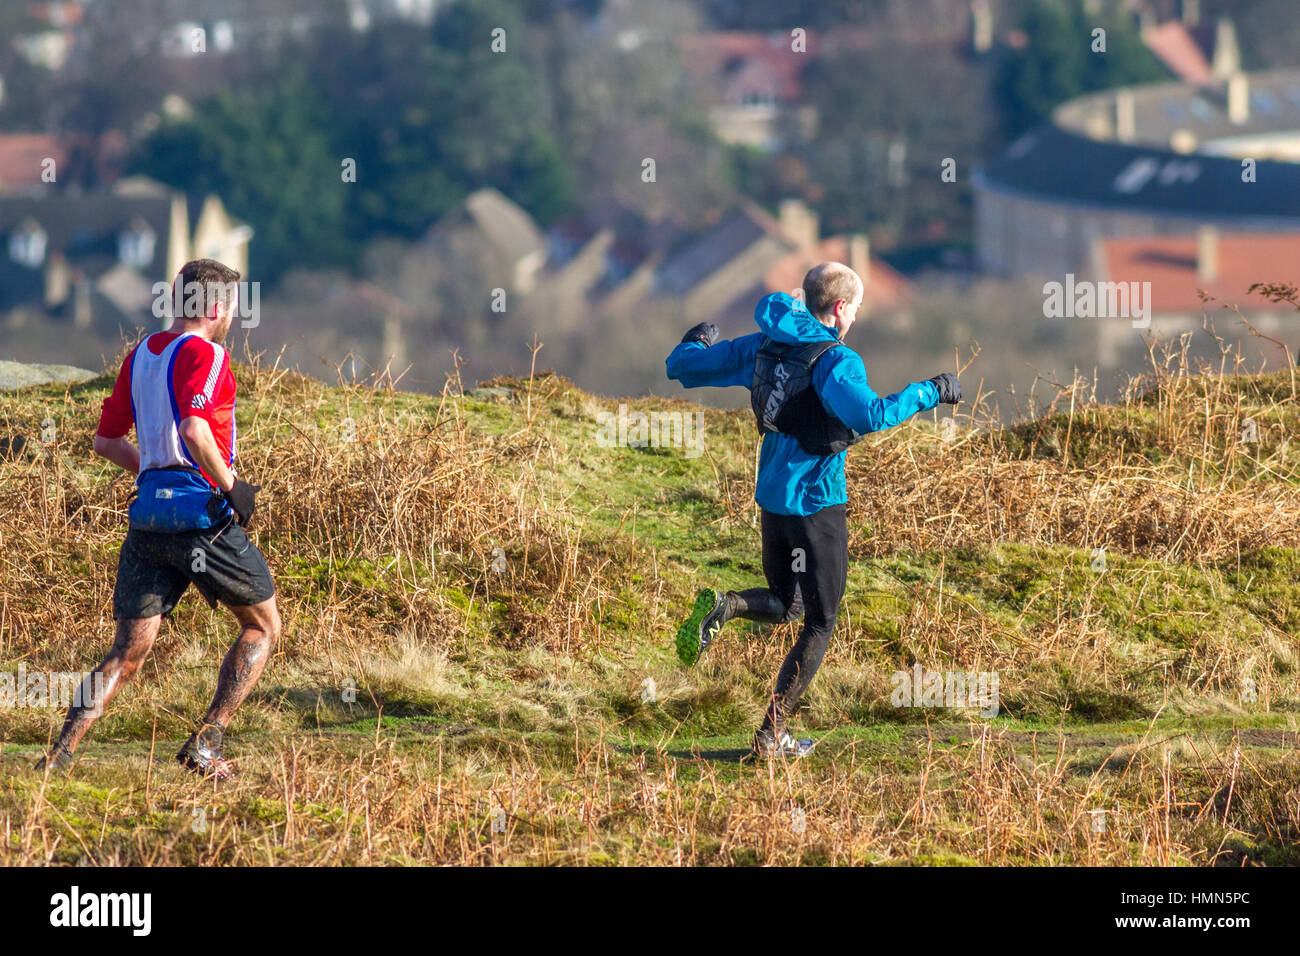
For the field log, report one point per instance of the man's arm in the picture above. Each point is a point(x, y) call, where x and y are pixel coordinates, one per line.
point(115, 421)
point(202, 446)
point(730, 362)
point(847, 395)
point(120, 452)
point(202, 385)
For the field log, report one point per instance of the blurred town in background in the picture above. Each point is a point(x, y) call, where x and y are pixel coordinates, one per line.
point(412, 180)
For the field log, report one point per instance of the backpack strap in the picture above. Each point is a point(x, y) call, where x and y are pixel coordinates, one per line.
point(815, 351)
point(819, 349)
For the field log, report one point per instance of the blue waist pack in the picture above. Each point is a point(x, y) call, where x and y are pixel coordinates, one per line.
point(176, 499)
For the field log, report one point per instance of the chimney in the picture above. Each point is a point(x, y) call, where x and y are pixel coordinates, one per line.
point(1125, 116)
point(860, 257)
point(178, 232)
point(1239, 98)
point(1189, 11)
point(1226, 59)
point(57, 281)
point(981, 26)
point(1207, 253)
point(393, 348)
point(81, 313)
point(799, 223)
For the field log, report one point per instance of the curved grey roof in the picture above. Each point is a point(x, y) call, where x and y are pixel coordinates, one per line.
point(1161, 110)
point(1057, 166)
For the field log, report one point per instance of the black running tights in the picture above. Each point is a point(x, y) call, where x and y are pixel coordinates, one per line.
point(805, 560)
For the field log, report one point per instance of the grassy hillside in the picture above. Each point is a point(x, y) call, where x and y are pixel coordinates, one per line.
point(476, 592)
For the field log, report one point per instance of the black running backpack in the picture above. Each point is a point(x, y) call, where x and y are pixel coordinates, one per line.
point(784, 400)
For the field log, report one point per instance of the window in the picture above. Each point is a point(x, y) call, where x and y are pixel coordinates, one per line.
point(27, 245)
point(135, 246)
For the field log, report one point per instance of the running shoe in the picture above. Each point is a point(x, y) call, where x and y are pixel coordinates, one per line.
point(769, 744)
point(202, 754)
point(704, 624)
point(60, 758)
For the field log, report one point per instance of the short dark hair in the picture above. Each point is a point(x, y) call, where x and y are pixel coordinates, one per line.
point(827, 283)
point(215, 280)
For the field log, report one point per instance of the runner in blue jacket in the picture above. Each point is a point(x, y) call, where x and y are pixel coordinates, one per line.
point(811, 398)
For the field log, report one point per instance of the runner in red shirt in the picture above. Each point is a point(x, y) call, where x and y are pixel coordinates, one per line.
point(186, 522)
point(199, 386)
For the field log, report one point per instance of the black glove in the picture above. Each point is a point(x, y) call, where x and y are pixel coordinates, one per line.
point(241, 499)
point(705, 332)
point(949, 388)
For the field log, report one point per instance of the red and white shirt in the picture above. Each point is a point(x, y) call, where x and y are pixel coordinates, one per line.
point(166, 378)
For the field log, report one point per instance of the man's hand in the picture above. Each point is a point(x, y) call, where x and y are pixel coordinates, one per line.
point(241, 498)
point(949, 388)
point(706, 333)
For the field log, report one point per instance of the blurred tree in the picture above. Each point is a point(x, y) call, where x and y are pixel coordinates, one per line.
point(269, 159)
point(621, 96)
point(26, 87)
point(491, 124)
point(1058, 63)
point(884, 129)
point(426, 116)
point(430, 117)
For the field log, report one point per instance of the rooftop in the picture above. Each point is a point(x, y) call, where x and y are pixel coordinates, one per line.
point(21, 156)
point(702, 254)
point(1061, 166)
point(709, 57)
point(1161, 110)
point(1169, 263)
point(885, 287)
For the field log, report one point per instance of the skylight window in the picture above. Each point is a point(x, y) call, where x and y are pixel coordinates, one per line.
point(27, 245)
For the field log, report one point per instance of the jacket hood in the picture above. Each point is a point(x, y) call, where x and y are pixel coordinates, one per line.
point(783, 318)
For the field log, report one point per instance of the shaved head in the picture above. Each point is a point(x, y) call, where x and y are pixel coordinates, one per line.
point(827, 283)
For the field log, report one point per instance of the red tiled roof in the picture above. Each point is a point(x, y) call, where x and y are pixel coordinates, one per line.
point(708, 56)
point(1177, 49)
point(58, 13)
point(885, 286)
point(1169, 264)
point(21, 155)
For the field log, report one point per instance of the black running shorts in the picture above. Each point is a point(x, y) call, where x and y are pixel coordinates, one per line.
point(154, 570)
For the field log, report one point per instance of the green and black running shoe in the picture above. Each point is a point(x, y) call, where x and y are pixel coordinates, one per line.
point(704, 624)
